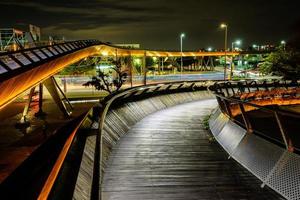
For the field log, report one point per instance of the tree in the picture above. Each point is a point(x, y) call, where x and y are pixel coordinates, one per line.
point(110, 81)
point(84, 66)
point(77, 70)
point(283, 62)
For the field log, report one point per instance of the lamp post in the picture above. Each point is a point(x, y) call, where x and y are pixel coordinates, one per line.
point(182, 35)
point(237, 42)
point(225, 26)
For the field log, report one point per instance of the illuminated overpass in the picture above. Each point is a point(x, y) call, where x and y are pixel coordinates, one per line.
point(26, 68)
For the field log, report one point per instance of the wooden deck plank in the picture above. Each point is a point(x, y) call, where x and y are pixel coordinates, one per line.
point(168, 155)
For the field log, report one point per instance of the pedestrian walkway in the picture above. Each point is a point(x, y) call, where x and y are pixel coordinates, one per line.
point(169, 155)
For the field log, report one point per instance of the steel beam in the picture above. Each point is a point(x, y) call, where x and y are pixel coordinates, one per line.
point(55, 92)
point(27, 106)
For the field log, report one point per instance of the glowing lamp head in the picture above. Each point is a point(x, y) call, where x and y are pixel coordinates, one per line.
point(238, 42)
point(223, 25)
point(182, 35)
point(209, 49)
point(283, 42)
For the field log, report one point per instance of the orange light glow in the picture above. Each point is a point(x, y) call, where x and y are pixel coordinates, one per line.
point(57, 166)
point(235, 110)
point(13, 87)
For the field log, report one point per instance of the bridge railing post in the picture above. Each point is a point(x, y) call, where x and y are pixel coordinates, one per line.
point(224, 105)
point(245, 118)
point(227, 107)
point(286, 139)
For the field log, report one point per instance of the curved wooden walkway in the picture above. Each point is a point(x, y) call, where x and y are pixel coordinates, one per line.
point(169, 155)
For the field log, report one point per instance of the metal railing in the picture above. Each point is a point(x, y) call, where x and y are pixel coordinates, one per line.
point(64, 139)
point(13, 63)
point(134, 93)
point(278, 125)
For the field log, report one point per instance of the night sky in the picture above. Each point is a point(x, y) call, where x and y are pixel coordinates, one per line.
point(157, 24)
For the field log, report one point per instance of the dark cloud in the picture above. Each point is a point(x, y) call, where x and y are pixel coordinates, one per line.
point(156, 23)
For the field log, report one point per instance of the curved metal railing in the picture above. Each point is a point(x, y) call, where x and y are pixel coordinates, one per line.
point(133, 93)
point(236, 98)
point(65, 137)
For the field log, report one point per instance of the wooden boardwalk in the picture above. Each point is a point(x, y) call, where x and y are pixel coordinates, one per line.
point(169, 155)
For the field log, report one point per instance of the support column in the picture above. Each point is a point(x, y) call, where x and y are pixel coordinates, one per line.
point(231, 69)
point(54, 91)
point(206, 64)
point(23, 121)
point(145, 68)
point(65, 84)
point(201, 63)
point(162, 64)
point(211, 63)
point(158, 65)
point(130, 70)
point(40, 113)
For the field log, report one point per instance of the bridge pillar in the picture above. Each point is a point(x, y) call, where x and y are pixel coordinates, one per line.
point(212, 66)
point(144, 69)
point(131, 70)
point(162, 64)
point(23, 121)
point(40, 113)
point(231, 68)
point(63, 103)
point(201, 63)
point(159, 66)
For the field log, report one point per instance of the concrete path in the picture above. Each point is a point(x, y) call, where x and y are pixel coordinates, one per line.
point(169, 155)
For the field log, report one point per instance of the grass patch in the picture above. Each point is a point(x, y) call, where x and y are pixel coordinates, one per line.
point(205, 125)
point(205, 122)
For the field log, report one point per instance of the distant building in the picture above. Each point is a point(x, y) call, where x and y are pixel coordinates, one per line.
point(35, 32)
point(129, 46)
point(11, 39)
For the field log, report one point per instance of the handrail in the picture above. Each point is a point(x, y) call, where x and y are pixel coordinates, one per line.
point(107, 102)
point(59, 162)
point(29, 178)
point(11, 63)
point(65, 139)
point(227, 101)
point(52, 45)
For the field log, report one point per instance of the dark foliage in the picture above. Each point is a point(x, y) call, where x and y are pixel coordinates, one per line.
point(283, 62)
point(110, 81)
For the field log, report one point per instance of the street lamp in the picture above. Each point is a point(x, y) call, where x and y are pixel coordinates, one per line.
point(182, 35)
point(225, 26)
point(283, 43)
point(209, 49)
point(238, 42)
